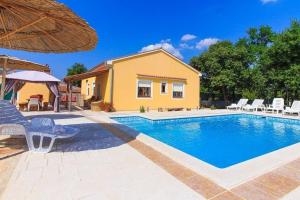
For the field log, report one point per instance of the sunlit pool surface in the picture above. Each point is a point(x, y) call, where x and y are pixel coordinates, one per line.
point(221, 141)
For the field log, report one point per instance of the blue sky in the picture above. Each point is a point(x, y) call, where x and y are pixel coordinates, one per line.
point(185, 28)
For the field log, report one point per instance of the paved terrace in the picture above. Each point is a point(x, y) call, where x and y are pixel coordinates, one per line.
point(103, 162)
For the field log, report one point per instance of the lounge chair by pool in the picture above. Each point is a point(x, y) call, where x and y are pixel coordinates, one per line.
point(256, 104)
point(277, 105)
point(294, 109)
point(12, 122)
point(239, 105)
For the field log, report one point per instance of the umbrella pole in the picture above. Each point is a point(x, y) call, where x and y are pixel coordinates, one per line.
point(69, 89)
point(3, 80)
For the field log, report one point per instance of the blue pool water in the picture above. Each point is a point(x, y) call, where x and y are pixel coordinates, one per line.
point(221, 141)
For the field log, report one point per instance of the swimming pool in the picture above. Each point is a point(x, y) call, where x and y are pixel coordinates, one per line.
point(221, 141)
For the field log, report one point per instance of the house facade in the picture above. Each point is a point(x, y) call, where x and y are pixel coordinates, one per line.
point(153, 79)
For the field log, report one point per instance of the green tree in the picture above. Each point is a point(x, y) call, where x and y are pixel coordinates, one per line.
point(292, 82)
point(254, 83)
point(280, 63)
point(285, 50)
point(257, 43)
point(263, 64)
point(221, 66)
point(76, 68)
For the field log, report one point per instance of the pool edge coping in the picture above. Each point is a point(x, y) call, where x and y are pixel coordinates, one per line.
point(229, 177)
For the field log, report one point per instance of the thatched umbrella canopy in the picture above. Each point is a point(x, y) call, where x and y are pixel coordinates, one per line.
point(43, 26)
point(13, 63)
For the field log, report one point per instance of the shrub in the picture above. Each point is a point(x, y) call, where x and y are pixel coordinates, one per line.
point(142, 109)
point(212, 107)
point(249, 94)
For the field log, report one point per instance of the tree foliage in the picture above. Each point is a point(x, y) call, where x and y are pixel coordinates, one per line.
point(263, 64)
point(76, 68)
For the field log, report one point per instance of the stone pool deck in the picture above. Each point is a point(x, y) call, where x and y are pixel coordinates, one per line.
point(10, 153)
point(104, 162)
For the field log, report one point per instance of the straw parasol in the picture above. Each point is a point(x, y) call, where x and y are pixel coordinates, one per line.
point(43, 26)
point(13, 63)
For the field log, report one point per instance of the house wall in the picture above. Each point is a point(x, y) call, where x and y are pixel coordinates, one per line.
point(156, 63)
point(32, 89)
point(84, 83)
point(101, 81)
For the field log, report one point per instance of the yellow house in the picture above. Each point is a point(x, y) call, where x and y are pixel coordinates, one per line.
point(153, 79)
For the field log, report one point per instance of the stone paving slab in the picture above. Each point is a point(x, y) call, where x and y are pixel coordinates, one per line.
point(93, 165)
point(10, 153)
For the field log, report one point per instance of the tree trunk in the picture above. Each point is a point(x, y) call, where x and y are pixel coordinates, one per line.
point(225, 95)
point(233, 94)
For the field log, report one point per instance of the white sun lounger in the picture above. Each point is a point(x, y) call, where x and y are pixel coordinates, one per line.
point(277, 105)
point(239, 105)
point(12, 122)
point(44, 128)
point(256, 104)
point(294, 109)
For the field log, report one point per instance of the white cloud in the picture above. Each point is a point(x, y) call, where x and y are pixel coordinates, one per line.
point(185, 46)
point(166, 45)
point(205, 43)
point(166, 41)
point(188, 37)
point(268, 1)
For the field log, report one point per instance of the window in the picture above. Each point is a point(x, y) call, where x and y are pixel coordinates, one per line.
point(93, 88)
point(87, 88)
point(144, 89)
point(177, 90)
point(163, 88)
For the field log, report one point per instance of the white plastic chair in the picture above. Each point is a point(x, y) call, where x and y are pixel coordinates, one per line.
point(239, 105)
point(256, 104)
point(277, 105)
point(12, 129)
point(294, 109)
point(12, 122)
point(45, 128)
point(41, 129)
point(33, 102)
